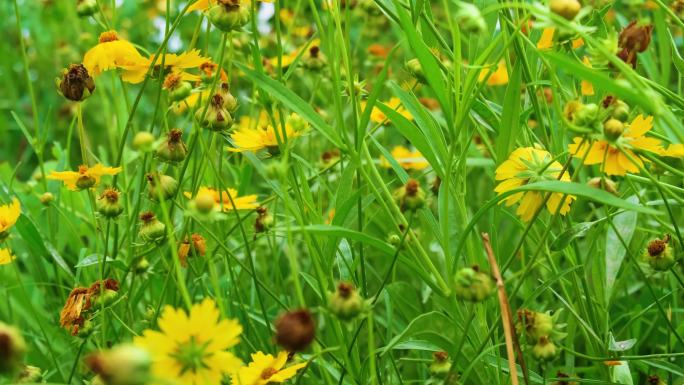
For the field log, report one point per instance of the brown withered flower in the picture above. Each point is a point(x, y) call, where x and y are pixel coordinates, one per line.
point(80, 301)
point(634, 39)
point(76, 83)
point(196, 245)
point(295, 330)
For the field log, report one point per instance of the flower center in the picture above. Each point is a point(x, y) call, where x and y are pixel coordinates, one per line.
point(191, 355)
point(106, 37)
point(268, 373)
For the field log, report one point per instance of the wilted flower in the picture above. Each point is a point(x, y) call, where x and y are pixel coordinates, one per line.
point(295, 330)
point(76, 83)
point(81, 301)
point(196, 245)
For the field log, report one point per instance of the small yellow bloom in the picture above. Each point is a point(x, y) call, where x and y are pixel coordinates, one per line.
point(407, 159)
point(528, 165)
point(192, 349)
point(546, 39)
point(85, 177)
point(498, 77)
point(111, 52)
point(576, 43)
point(675, 150)
point(6, 256)
point(8, 217)
point(606, 152)
point(265, 369)
point(247, 138)
point(135, 72)
point(203, 5)
point(247, 202)
point(586, 87)
point(377, 116)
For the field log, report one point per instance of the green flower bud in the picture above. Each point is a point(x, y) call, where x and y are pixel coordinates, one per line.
point(108, 204)
point(122, 365)
point(142, 266)
point(161, 185)
point(473, 285)
point(230, 103)
point(46, 198)
point(655, 380)
point(12, 350)
point(414, 67)
point(613, 129)
point(410, 196)
point(76, 83)
point(586, 115)
point(394, 239)
point(608, 185)
point(228, 15)
point(544, 350)
point(659, 254)
point(470, 19)
point(177, 88)
point(345, 303)
point(173, 149)
point(441, 365)
point(620, 111)
point(143, 141)
point(314, 59)
point(85, 182)
point(216, 117)
point(30, 375)
point(534, 324)
point(85, 8)
point(567, 9)
point(151, 230)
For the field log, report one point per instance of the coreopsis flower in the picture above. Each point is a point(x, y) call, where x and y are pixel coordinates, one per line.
point(674, 150)
point(208, 199)
point(85, 177)
point(528, 165)
point(377, 116)
point(8, 217)
point(547, 39)
point(192, 349)
point(110, 52)
point(266, 369)
point(253, 139)
point(407, 159)
point(6, 256)
point(498, 78)
point(173, 63)
point(607, 149)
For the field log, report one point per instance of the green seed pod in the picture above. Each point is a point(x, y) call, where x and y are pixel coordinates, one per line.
point(441, 365)
point(345, 303)
point(620, 111)
point(586, 115)
point(216, 117)
point(473, 285)
point(534, 324)
point(12, 350)
point(660, 254)
point(544, 350)
point(228, 15)
point(410, 196)
point(314, 60)
point(161, 185)
point(85, 8)
point(230, 103)
point(108, 204)
point(173, 149)
point(180, 92)
point(123, 365)
point(393, 239)
point(151, 230)
point(46, 198)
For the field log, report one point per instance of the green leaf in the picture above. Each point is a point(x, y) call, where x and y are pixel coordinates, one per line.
point(433, 326)
point(37, 245)
point(620, 374)
point(509, 129)
point(624, 223)
point(293, 102)
point(566, 237)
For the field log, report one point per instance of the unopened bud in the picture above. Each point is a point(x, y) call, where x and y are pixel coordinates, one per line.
point(544, 350)
point(151, 229)
point(46, 198)
point(160, 185)
point(85, 8)
point(228, 15)
point(567, 9)
point(410, 196)
point(346, 303)
point(534, 324)
point(143, 141)
point(109, 204)
point(173, 149)
point(613, 129)
point(473, 285)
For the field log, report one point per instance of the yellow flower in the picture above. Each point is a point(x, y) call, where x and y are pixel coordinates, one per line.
point(498, 77)
point(85, 177)
point(378, 116)
point(528, 165)
point(247, 202)
point(675, 150)
point(586, 87)
point(135, 72)
point(111, 52)
point(6, 256)
point(407, 159)
point(8, 217)
point(247, 138)
point(265, 369)
point(546, 39)
point(192, 349)
point(607, 152)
